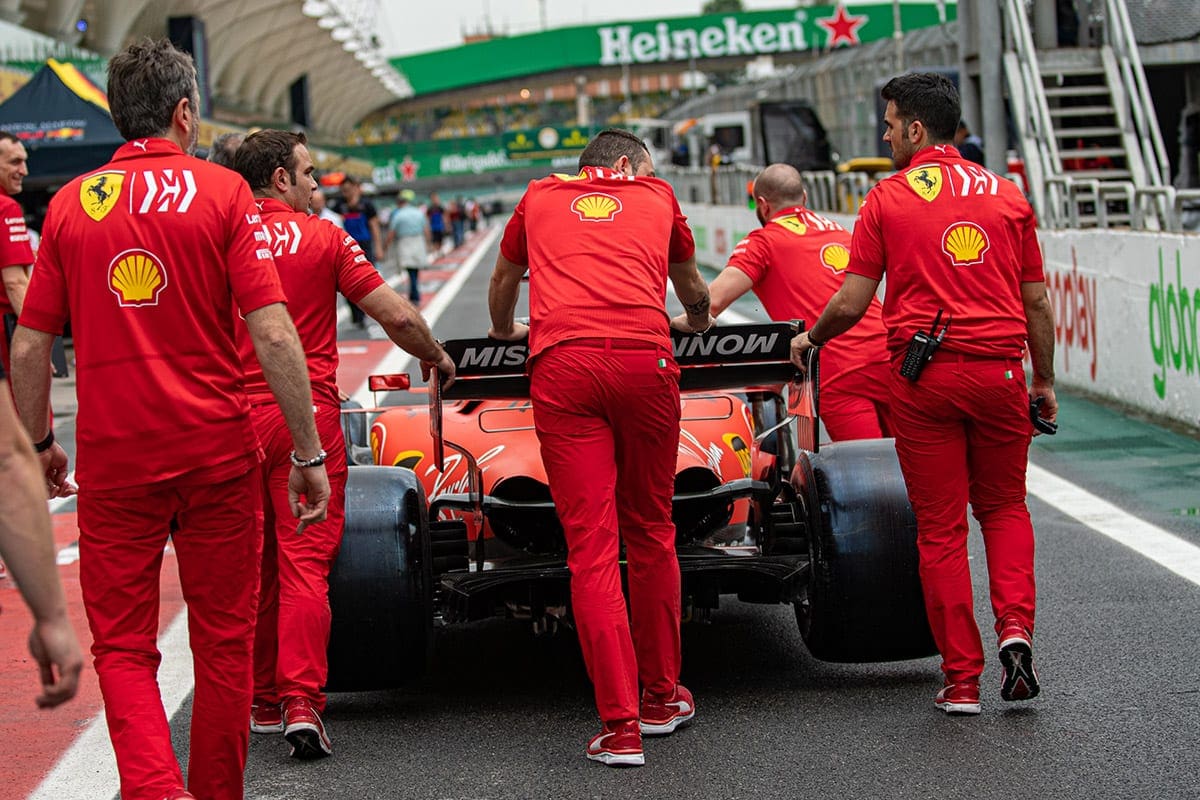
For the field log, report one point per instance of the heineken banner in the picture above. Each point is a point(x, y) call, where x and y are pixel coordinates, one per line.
point(678, 39)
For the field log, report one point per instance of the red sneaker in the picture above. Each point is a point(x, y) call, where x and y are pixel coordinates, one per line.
point(958, 698)
point(304, 731)
point(266, 717)
point(1018, 679)
point(618, 744)
point(662, 715)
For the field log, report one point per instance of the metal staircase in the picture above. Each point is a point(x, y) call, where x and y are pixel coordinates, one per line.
point(1086, 124)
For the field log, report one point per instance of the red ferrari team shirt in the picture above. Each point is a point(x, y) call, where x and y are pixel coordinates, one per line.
point(315, 259)
point(14, 242)
point(143, 256)
point(956, 237)
point(597, 245)
point(797, 261)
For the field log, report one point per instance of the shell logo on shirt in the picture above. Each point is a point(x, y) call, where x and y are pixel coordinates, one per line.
point(792, 223)
point(925, 181)
point(99, 193)
point(137, 278)
point(836, 257)
point(596, 207)
point(965, 243)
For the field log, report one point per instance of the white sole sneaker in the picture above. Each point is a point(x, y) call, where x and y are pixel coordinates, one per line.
point(668, 727)
point(619, 759)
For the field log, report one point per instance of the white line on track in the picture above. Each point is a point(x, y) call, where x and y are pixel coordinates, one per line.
point(88, 768)
point(1151, 541)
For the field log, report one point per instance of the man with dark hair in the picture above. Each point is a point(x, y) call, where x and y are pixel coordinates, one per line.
point(153, 256)
point(16, 255)
point(361, 220)
point(959, 246)
point(599, 247)
point(224, 147)
point(794, 263)
point(316, 260)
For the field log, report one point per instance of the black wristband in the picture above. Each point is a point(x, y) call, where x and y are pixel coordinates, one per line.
point(813, 340)
point(44, 444)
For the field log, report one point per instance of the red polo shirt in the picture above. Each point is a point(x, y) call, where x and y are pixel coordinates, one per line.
point(315, 259)
point(797, 261)
point(14, 242)
point(147, 256)
point(597, 245)
point(954, 236)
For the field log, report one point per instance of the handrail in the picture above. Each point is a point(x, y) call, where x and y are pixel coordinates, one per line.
point(1124, 43)
point(1034, 124)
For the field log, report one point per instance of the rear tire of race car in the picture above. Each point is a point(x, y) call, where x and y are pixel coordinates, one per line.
point(864, 600)
point(381, 584)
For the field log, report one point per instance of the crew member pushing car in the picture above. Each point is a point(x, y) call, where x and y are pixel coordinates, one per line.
point(316, 260)
point(794, 263)
point(959, 245)
point(151, 257)
point(599, 247)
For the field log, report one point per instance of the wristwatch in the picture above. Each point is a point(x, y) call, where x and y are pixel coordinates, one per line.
point(315, 461)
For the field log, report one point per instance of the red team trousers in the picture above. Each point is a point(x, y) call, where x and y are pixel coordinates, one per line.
point(216, 533)
point(293, 612)
point(856, 406)
point(962, 434)
point(607, 417)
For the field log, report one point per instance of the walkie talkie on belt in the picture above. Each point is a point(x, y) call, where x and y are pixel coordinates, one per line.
point(922, 348)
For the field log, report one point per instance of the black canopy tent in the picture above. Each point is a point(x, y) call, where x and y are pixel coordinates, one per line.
point(63, 120)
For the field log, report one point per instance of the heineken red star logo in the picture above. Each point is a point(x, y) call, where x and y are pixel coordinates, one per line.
point(408, 169)
point(843, 28)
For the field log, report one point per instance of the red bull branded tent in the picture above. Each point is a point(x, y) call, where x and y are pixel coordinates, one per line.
point(64, 122)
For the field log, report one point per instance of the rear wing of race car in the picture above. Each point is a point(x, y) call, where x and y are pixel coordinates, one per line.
point(726, 357)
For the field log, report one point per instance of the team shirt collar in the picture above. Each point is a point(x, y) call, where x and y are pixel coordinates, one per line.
point(935, 152)
point(149, 146)
point(790, 211)
point(604, 173)
point(266, 204)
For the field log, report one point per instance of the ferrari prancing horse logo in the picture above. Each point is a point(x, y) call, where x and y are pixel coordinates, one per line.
point(99, 193)
point(925, 181)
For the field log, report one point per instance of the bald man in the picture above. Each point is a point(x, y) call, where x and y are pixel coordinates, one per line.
point(794, 263)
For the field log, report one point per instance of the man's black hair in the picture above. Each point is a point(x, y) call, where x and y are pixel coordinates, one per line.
point(926, 97)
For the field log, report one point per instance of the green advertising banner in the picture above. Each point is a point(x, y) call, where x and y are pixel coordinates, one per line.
point(404, 162)
point(546, 143)
point(750, 34)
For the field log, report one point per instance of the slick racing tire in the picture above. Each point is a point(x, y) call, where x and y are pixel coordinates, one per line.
point(380, 586)
point(864, 600)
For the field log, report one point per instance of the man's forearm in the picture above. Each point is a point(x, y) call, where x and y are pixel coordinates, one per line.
point(26, 541)
point(692, 292)
point(1039, 318)
point(31, 379)
point(16, 283)
point(503, 293)
point(401, 322)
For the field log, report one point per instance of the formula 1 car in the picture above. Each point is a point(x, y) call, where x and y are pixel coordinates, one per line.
point(453, 520)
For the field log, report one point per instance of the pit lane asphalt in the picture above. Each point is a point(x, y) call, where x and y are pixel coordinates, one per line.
point(502, 714)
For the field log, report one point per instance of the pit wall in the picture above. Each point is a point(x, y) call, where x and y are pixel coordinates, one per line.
point(1125, 307)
